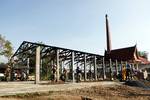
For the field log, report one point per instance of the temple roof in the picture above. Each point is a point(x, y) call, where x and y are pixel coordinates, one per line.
point(129, 54)
point(123, 54)
point(144, 61)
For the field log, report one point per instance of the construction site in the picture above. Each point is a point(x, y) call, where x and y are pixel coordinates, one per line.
point(41, 62)
point(49, 72)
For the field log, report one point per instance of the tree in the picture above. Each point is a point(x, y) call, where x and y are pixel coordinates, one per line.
point(6, 48)
point(143, 54)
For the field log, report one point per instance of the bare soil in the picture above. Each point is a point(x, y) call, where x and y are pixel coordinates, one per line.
point(100, 91)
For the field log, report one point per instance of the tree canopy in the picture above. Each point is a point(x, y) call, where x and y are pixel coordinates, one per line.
point(143, 54)
point(6, 48)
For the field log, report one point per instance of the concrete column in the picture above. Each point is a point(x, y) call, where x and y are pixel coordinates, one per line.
point(41, 66)
point(121, 66)
point(117, 68)
point(95, 68)
point(28, 66)
point(110, 64)
point(61, 68)
point(91, 76)
point(37, 67)
point(126, 64)
point(72, 66)
point(104, 74)
point(133, 67)
point(12, 70)
point(85, 76)
point(57, 65)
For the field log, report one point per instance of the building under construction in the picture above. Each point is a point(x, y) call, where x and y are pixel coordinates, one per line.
point(38, 60)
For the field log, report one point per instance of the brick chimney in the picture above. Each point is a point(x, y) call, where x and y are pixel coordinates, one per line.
point(108, 37)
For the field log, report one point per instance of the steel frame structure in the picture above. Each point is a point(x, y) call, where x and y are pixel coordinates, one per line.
point(58, 56)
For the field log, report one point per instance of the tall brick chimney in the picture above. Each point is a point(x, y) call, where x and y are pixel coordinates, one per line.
point(108, 37)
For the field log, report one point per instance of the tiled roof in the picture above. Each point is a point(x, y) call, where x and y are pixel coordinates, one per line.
point(144, 61)
point(122, 54)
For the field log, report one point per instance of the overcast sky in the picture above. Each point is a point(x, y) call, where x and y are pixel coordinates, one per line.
point(77, 24)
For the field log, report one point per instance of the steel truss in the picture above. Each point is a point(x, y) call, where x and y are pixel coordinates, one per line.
point(57, 56)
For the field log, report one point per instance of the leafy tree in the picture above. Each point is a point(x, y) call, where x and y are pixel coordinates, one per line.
point(6, 48)
point(143, 54)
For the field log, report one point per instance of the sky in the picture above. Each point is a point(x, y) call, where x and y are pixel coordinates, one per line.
point(77, 24)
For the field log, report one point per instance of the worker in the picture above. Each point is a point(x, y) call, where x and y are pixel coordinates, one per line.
point(145, 74)
point(123, 73)
point(78, 71)
point(7, 73)
point(54, 73)
point(63, 77)
point(128, 72)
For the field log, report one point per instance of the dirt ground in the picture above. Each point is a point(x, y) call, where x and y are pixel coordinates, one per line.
point(85, 91)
